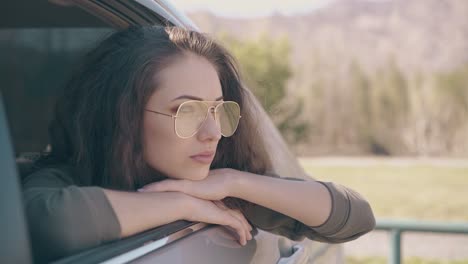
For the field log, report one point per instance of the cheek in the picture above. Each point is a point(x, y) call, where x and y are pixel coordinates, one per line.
point(161, 145)
point(165, 152)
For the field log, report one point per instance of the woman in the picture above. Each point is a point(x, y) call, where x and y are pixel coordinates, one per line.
point(154, 121)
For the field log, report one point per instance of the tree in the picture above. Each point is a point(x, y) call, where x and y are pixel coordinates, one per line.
point(264, 64)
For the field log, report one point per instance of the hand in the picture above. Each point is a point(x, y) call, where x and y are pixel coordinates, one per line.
point(215, 212)
point(216, 186)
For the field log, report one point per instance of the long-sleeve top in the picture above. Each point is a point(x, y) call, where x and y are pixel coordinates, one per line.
point(64, 218)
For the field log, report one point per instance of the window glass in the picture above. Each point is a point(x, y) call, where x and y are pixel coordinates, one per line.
point(35, 65)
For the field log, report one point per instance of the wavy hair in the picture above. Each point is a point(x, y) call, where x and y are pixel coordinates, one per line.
point(98, 121)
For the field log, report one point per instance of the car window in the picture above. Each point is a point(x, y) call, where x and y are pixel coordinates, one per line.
point(35, 65)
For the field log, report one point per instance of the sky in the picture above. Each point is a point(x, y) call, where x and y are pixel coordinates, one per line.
point(249, 8)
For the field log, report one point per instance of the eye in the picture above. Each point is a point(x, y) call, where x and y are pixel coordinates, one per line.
point(186, 109)
point(174, 109)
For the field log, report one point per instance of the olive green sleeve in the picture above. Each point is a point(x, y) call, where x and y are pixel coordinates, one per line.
point(350, 217)
point(63, 218)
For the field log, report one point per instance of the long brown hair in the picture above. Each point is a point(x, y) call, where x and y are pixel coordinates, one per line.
point(98, 121)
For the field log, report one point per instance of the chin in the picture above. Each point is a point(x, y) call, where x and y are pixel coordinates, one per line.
point(190, 173)
point(199, 175)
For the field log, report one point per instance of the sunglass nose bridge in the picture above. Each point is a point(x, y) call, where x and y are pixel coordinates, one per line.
point(211, 109)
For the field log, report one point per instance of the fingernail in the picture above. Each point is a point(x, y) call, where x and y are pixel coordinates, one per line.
point(141, 190)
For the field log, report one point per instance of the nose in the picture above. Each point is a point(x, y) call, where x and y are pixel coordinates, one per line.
point(210, 129)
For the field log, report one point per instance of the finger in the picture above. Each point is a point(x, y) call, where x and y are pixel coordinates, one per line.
point(227, 219)
point(237, 225)
point(221, 205)
point(239, 216)
point(234, 233)
point(245, 224)
point(244, 220)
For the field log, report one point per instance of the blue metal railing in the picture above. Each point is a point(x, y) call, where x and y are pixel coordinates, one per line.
point(397, 226)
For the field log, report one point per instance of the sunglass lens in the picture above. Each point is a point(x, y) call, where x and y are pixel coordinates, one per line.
point(228, 117)
point(190, 117)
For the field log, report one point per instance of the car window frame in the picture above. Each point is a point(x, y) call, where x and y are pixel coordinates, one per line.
point(124, 250)
point(14, 247)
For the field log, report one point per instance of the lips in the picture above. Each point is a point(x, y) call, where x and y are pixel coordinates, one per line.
point(203, 157)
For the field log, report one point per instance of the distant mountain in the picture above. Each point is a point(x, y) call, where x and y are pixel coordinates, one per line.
point(419, 35)
point(369, 72)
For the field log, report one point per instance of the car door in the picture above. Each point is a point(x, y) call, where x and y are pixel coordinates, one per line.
point(39, 41)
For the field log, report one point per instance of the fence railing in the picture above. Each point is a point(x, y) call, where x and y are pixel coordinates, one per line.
point(397, 226)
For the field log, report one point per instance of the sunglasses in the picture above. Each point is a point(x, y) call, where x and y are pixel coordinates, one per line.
point(191, 115)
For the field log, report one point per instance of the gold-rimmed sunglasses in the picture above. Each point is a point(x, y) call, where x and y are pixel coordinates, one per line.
point(191, 115)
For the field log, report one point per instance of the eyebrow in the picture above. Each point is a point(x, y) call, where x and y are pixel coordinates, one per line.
point(194, 98)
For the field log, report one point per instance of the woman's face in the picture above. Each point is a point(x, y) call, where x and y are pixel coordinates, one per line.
point(189, 77)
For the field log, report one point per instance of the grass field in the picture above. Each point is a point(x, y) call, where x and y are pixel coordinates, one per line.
point(401, 188)
point(430, 190)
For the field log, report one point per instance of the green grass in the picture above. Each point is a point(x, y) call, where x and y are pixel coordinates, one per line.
point(411, 260)
point(419, 191)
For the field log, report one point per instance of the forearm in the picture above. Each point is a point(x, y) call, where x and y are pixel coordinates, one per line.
point(137, 212)
point(306, 201)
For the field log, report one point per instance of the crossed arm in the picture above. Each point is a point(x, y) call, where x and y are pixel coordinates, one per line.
point(284, 196)
point(71, 218)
